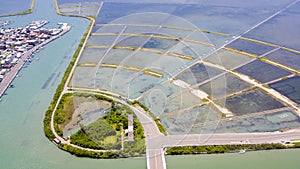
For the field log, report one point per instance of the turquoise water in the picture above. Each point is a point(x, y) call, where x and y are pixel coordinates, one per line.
point(23, 144)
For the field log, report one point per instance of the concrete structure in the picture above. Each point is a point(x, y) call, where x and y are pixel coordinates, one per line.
point(130, 128)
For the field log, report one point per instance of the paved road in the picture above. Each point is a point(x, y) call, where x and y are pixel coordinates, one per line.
point(155, 154)
point(224, 139)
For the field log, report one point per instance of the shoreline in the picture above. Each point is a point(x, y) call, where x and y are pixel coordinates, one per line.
point(10, 76)
point(227, 149)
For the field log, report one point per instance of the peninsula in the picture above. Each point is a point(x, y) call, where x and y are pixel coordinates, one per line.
point(17, 46)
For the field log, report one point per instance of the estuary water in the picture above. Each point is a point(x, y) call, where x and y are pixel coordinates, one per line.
point(22, 141)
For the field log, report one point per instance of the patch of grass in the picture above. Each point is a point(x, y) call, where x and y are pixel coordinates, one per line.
point(135, 148)
point(215, 149)
point(81, 139)
point(110, 140)
point(97, 135)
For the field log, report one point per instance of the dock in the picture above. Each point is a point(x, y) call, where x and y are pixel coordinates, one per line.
point(9, 76)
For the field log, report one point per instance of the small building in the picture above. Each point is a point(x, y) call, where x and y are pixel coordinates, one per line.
point(130, 128)
point(56, 141)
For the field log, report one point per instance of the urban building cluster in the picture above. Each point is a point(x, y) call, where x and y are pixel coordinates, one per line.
point(15, 42)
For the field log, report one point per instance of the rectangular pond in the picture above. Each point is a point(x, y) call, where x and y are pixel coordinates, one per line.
point(101, 40)
point(262, 123)
point(250, 47)
point(262, 71)
point(289, 87)
point(251, 101)
point(183, 122)
point(228, 59)
point(13, 7)
point(90, 55)
point(198, 73)
point(287, 58)
point(224, 85)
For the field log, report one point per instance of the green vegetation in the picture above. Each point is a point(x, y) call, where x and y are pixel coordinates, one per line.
point(157, 120)
point(47, 120)
point(81, 139)
point(222, 148)
point(104, 133)
point(117, 118)
point(97, 135)
point(134, 149)
point(160, 126)
point(64, 112)
point(65, 109)
point(99, 130)
point(92, 154)
point(296, 144)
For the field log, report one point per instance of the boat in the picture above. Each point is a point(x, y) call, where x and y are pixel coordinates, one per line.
point(243, 151)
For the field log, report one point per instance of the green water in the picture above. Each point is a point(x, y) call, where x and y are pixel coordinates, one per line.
point(22, 141)
point(273, 159)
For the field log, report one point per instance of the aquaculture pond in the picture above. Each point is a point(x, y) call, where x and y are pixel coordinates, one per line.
point(224, 85)
point(287, 29)
point(112, 11)
point(13, 7)
point(260, 123)
point(250, 47)
point(262, 71)
point(287, 58)
point(186, 120)
point(228, 59)
point(251, 101)
point(92, 55)
point(289, 87)
point(101, 40)
point(233, 17)
point(198, 73)
point(100, 28)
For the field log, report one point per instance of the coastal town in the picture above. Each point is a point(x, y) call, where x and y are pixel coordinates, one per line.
point(17, 46)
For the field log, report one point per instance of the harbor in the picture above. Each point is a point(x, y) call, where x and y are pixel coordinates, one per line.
point(17, 46)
